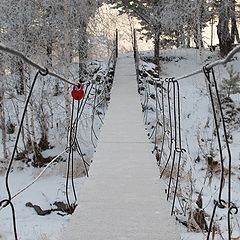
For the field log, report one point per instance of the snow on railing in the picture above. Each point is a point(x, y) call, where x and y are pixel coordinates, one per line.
point(29, 61)
point(227, 59)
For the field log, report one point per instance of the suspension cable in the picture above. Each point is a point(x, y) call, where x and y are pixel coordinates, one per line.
point(179, 148)
point(220, 202)
point(40, 174)
point(227, 59)
point(43, 73)
point(170, 128)
point(70, 162)
point(164, 123)
point(175, 137)
point(32, 63)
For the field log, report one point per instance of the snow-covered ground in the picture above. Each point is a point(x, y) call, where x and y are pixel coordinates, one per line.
point(198, 138)
point(50, 187)
point(197, 135)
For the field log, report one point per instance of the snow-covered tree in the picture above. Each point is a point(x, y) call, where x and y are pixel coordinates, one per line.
point(102, 29)
point(149, 15)
point(2, 112)
point(17, 19)
point(182, 20)
point(227, 31)
point(171, 22)
point(51, 33)
point(80, 14)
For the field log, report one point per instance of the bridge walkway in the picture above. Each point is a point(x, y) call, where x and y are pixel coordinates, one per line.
point(123, 198)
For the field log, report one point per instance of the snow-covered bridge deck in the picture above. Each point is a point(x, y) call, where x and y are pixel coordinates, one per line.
point(123, 199)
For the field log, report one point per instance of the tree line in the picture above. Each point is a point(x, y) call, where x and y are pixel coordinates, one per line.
point(176, 22)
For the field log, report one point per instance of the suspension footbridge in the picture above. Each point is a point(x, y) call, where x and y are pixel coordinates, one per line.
point(123, 197)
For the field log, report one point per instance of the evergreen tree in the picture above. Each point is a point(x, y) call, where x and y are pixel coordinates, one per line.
point(231, 85)
point(171, 22)
point(183, 20)
point(149, 14)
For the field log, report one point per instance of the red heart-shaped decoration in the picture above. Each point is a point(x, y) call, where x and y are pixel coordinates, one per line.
point(77, 94)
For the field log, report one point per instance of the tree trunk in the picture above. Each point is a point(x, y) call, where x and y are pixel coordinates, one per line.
point(71, 50)
point(188, 41)
point(223, 32)
point(82, 49)
point(33, 133)
point(49, 50)
point(27, 125)
point(2, 116)
point(179, 39)
point(66, 64)
point(20, 80)
point(156, 46)
point(199, 26)
point(157, 50)
point(234, 32)
point(234, 29)
point(16, 109)
point(43, 144)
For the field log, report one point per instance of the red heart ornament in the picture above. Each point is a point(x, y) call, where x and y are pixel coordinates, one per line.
point(77, 94)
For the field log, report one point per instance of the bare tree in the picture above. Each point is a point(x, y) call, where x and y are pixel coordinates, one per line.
point(223, 31)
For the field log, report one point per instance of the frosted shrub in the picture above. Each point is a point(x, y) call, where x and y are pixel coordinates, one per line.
point(231, 85)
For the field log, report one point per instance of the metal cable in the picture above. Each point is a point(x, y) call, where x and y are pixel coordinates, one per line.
point(179, 148)
point(163, 123)
point(32, 63)
point(157, 106)
point(210, 75)
point(70, 150)
point(93, 117)
point(40, 174)
point(227, 59)
point(170, 128)
point(71, 139)
point(207, 74)
point(14, 151)
point(175, 137)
